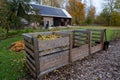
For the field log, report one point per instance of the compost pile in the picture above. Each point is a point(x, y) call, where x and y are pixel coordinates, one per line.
point(17, 46)
point(48, 37)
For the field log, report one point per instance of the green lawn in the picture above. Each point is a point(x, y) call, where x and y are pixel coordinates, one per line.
point(11, 63)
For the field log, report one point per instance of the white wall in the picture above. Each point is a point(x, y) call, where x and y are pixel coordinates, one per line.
point(50, 19)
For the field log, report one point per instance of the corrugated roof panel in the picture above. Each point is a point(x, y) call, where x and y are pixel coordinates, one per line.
point(51, 11)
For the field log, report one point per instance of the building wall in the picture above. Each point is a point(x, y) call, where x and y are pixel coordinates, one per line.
point(47, 19)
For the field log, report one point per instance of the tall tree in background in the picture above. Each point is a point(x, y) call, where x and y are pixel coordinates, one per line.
point(117, 5)
point(12, 11)
point(91, 15)
point(76, 9)
point(111, 14)
point(0, 3)
point(54, 3)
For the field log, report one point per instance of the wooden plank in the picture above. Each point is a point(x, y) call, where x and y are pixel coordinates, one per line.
point(70, 46)
point(80, 40)
point(30, 65)
point(96, 48)
point(40, 33)
point(103, 37)
point(97, 30)
point(52, 51)
point(80, 52)
point(63, 34)
point(27, 44)
point(30, 70)
point(80, 35)
point(96, 40)
point(29, 51)
point(82, 31)
point(31, 60)
point(37, 60)
point(50, 44)
point(51, 69)
point(50, 61)
point(89, 41)
point(28, 38)
point(96, 37)
point(96, 33)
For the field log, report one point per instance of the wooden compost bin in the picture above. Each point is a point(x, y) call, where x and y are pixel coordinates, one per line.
point(47, 55)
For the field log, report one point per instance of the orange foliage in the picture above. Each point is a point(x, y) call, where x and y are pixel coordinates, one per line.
point(76, 9)
point(17, 46)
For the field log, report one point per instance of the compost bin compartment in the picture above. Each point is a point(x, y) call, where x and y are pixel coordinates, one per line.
point(43, 56)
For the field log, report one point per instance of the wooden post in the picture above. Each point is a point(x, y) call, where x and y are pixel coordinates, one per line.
point(102, 38)
point(70, 46)
point(73, 36)
point(37, 62)
point(89, 40)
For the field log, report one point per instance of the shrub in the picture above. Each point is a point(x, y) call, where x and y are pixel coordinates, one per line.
point(2, 33)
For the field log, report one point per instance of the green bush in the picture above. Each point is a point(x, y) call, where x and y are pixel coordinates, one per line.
point(2, 33)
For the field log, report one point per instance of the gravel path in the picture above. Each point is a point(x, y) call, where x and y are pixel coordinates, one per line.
point(99, 66)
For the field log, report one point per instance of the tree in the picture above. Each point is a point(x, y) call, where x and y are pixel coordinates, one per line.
point(117, 5)
point(110, 14)
point(12, 11)
point(76, 9)
point(91, 15)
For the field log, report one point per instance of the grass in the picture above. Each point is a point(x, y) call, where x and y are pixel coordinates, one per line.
point(11, 63)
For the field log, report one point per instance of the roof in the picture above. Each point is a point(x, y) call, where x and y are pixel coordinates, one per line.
point(51, 11)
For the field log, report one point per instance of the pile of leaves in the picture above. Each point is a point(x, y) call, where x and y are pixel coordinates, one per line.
point(48, 37)
point(17, 46)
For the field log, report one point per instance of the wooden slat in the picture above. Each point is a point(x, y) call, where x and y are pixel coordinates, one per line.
point(80, 52)
point(50, 61)
point(28, 44)
point(30, 70)
point(51, 69)
point(80, 39)
point(96, 33)
point(28, 56)
point(80, 35)
point(82, 31)
point(98, 30)
point(96, 40)
point(50, 44)
point(89, 41)
point(63, 34)
point(96, 37)
point(30, 65)
point(79, 44)
point(51, 51)
point(29, 51)
point(37, 61)
point(96, 48)
point(40, 33)
point(28, 38)
point(70, 46)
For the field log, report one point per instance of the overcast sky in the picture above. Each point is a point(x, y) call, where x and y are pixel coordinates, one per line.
point(99, 4)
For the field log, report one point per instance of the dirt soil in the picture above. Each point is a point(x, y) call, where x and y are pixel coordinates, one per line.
point(99, 66)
